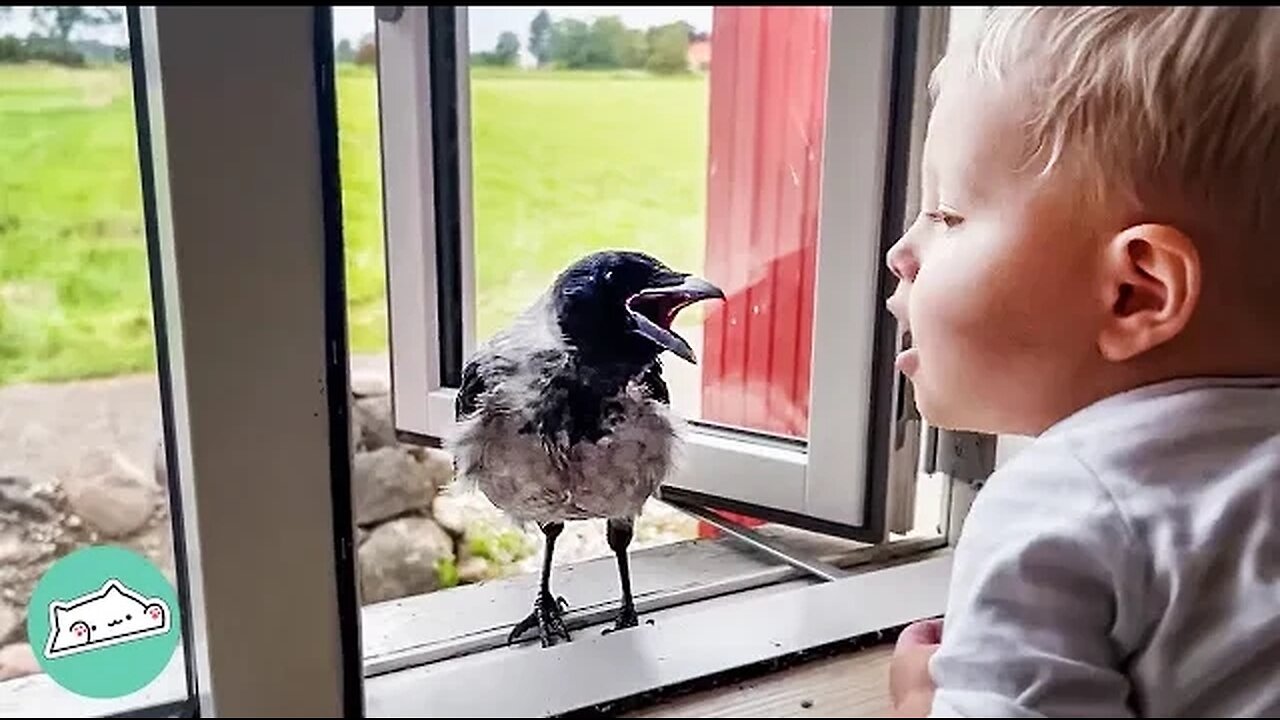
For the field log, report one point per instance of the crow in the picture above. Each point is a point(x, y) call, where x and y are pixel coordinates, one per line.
point(564, 414)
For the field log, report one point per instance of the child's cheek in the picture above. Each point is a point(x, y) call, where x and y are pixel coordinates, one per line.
point(952, 303)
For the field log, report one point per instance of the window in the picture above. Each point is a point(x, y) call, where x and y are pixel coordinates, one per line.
point(720, 173)
point(84, 480)
point(339, 204)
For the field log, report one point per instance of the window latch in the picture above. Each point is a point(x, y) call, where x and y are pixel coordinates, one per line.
point(389, 13)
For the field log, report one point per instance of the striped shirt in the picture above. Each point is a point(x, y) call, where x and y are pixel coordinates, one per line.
point(1127, 563)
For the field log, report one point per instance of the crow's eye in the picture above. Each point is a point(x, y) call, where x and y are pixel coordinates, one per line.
point(608, 275)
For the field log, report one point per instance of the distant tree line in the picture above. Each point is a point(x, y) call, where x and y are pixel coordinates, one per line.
point(606, 43)
point(52, 42)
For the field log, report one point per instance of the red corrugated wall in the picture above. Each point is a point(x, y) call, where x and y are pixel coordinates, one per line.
point(767, 102)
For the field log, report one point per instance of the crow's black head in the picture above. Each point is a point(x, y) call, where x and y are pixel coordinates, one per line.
point(619, 305)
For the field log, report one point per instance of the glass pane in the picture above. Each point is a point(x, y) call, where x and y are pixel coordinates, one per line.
point(83, 486)
point(691, 133)
point(568, 160)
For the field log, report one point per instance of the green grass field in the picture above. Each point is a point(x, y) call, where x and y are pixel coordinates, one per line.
point(564, 163)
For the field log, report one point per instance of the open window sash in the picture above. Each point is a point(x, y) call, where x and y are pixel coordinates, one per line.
point(860, 456)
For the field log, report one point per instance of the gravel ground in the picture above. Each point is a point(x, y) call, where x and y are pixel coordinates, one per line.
point(60, 430)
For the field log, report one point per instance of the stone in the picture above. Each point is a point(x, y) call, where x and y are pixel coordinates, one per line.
point(389, 482)
point(439, 465)
point(21, 498)
point(20, 549)
point(372, 423)
point(473, 570)
point(106, 461)
point(116, 501)
point(401, 558)
point(368, 384)
point(14, 550)
point(450, 512)
point(17, 661)
point(11, 620)
point(23, 563)
point(459, 511)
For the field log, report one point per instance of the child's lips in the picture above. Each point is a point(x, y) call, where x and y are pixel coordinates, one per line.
point(909, 358)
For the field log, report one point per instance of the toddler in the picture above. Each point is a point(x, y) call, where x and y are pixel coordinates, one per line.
point(1097, 265)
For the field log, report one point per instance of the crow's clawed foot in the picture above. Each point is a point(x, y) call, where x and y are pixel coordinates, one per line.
point(626, 618)
point(547, 617)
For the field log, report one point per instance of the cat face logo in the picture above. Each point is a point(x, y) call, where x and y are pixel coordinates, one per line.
point(111, 615)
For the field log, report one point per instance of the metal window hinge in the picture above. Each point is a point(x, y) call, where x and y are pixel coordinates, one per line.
point(811, 565)
point(967, 460)
point(970, 457)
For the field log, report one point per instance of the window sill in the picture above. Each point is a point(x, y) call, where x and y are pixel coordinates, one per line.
point(438, 626)
point(39, 696)
point(681, 644)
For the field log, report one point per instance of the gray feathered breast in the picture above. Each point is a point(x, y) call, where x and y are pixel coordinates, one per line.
point(517, 442)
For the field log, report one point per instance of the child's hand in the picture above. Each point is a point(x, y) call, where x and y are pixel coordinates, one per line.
point(910, 686)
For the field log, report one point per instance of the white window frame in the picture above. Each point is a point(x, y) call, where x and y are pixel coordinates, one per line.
point(238, 144)
point(838, 480)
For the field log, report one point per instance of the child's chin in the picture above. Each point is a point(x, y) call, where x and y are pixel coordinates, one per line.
point(944, 415)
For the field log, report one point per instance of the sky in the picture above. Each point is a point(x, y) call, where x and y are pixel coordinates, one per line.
point(485, 23)
point(19, 24)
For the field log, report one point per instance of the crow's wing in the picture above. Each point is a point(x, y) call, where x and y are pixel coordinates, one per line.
point(507, 368)
point(472, 387)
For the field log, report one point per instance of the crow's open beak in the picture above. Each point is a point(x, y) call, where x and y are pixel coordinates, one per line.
point(655, 309)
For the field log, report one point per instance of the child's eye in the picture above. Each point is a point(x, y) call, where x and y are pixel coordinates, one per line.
point(946, 218)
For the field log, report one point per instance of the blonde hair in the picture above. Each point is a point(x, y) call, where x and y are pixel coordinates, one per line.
point(1165, 110)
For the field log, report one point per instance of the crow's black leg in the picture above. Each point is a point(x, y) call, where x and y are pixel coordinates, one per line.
point(548, 611)
point(620, 531)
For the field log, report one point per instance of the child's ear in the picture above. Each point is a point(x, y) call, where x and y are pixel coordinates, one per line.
point(1153, 278)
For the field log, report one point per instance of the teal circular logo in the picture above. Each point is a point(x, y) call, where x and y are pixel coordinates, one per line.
point(103, 622)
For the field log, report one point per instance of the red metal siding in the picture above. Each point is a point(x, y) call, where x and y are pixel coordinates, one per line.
point(767, 92)
point(767, 95)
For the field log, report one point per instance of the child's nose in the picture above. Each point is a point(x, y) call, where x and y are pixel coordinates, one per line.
point(903, 261)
